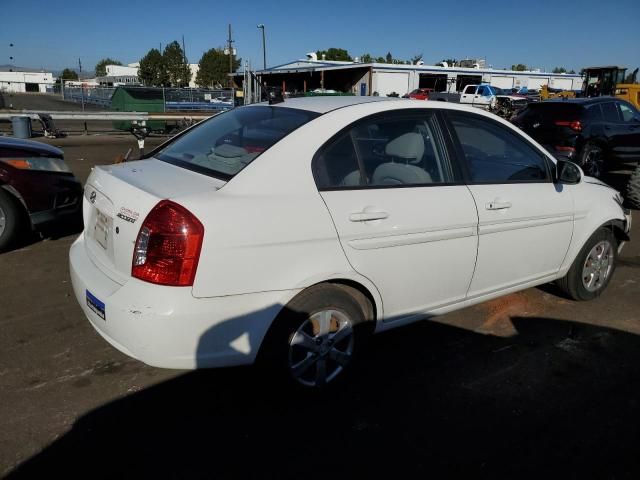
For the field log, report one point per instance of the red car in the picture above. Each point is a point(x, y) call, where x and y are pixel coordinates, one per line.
point(420, 94)
point(36, 188)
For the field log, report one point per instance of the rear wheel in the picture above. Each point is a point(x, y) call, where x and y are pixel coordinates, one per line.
point(592, 161)
point(633, 189)
point(593, 268)
point(317, 336)
point(9, 221)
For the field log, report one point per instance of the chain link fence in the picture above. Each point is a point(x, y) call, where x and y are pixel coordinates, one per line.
point(174, 99)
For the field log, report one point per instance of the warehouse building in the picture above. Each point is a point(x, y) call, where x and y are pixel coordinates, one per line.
point(21, 82)
point(384, 79)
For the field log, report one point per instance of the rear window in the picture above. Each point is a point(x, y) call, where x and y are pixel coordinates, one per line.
point(225, 144)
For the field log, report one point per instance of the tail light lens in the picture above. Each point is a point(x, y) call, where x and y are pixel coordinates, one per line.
point(573, 125)
point(168, 246)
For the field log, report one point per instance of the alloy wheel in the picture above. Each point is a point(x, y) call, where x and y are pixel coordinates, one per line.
point(321, 348)
point(597, 266)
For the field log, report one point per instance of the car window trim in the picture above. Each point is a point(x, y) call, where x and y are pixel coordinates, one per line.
point(462, 159)
point(421, 112)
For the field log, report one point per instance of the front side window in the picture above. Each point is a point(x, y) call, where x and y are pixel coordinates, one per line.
point(495, 154)
point(230, 141)
point(400, 149)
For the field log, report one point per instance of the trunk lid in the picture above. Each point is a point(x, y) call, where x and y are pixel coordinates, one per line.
point(117, 199)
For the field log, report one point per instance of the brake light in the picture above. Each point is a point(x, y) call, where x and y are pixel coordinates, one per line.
point(168, 246)
point(573, 125)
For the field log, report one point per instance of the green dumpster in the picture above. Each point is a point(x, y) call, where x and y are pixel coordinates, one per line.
point(138, 99)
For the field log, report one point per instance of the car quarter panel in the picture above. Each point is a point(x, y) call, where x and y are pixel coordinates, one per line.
point(594, 207)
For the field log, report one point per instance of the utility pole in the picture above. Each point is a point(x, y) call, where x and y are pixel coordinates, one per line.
point(230, 51)
point(264, 47)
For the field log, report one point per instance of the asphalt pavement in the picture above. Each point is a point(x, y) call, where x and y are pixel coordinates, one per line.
point(526, 386)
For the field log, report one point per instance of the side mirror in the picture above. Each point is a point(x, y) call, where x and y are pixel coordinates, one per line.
point(568, 173)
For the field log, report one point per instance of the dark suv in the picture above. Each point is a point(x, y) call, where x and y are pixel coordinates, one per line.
point(36, 188)
point(593, 132)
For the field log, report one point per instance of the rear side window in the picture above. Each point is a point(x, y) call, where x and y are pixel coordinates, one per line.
point(627, 113)
point(594, 113)
point(230, 141)
point(396, 149)
point(610, 112)
point(495, 154)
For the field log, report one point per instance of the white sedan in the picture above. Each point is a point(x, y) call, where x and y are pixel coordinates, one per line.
point(288, 232)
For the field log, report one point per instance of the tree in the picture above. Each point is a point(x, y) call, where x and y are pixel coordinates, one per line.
point(338, 54)
point(366, 58)
point(177, 68)
point(153, 71)
point(214, 68)
point(101, 66)
point(559, 70)
point(521, 67)
point(416, 58)
point(68, 74)
point(450, 61)
point(572, 71)
point(389, 58)
point(381, 60)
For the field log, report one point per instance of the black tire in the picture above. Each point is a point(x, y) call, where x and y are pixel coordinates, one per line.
point(296, 319)
point(10, 227)
point(592, 160)
point(633, 189)
point(572, 283)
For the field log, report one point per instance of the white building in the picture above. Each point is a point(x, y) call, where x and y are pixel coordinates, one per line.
point(384, 79)
point(20, 82)
point(122, 70)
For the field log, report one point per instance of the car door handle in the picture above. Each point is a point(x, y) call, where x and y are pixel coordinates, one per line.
point(497, 205)
point(367, 216)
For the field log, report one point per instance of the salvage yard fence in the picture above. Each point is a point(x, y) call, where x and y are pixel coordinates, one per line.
point(173, 99)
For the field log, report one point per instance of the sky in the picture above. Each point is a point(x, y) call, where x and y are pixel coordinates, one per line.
point(541, 34)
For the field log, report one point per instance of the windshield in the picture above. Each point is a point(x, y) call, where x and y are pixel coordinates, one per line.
point(225, 144)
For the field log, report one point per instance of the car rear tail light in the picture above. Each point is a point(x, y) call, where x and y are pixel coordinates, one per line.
point(573, 125)
point(168, 246)
point(565, 149)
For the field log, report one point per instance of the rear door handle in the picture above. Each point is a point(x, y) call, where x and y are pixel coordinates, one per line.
point(367, 216)
point(497, 205)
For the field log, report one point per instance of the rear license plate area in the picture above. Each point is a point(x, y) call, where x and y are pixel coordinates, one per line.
point(101, 229)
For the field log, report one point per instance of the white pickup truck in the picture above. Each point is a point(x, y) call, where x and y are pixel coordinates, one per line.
point(485, 96)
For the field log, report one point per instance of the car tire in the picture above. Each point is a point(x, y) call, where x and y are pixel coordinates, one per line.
point(633, 189)
point(318, 336)
point(9, 221)
point(593, 268)
point(592, 160)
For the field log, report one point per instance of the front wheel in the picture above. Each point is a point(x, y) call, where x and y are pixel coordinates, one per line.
point(317, 336)
point(9, 221)
point(593, 268)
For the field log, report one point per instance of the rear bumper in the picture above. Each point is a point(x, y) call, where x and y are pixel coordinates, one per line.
point(166, 326)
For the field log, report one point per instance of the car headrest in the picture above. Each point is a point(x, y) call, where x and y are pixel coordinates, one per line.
point(408, 146)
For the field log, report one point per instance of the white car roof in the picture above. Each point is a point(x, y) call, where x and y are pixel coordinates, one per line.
point(324, 104)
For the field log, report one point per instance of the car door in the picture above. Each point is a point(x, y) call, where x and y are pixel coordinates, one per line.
point(628, 132)
point(482, 97)
point(403, 217)
point(468, 94)
point(525, 220)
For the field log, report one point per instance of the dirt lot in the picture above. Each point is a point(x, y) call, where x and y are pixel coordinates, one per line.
point(521, 387)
